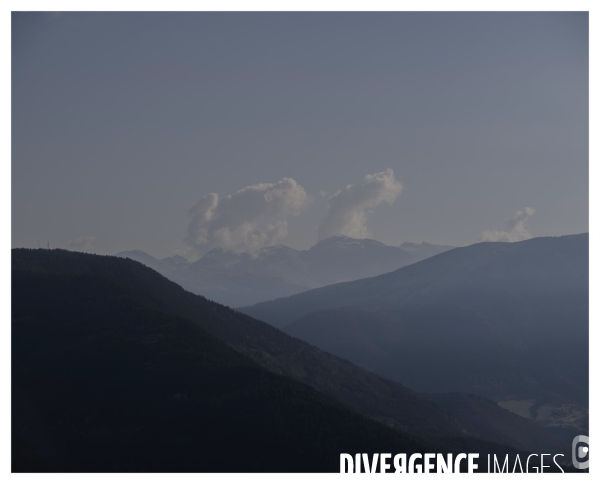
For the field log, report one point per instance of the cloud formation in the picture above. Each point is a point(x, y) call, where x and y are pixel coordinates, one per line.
point(514, 228)
point(251, 218)
point(348, 209)
point(83, 243)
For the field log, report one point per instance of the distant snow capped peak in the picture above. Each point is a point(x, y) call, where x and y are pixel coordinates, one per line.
point(220, 258)
point(176, 261)
point(274, 249)
point(345, 243)
point(176, 258)
point(239, 279)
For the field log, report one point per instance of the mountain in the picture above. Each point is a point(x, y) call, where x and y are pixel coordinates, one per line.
point(483, 417)
point(506, 321)
point(107, 379)
point(213, 280)
point(424, 250)
point(175, 261)
point(111, 361)
point(272, 349)
point(278, 271)
point(335, 259)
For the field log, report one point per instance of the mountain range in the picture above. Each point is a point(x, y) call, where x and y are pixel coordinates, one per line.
point(105, 380)
point(506, 321)
point(116, 368)
point(240, 279)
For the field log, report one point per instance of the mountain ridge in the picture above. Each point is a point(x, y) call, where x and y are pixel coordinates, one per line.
point(384, 401)
point(240, 279)
point(105, 381)
point(488, 319)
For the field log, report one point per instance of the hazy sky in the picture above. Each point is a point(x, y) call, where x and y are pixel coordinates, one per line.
point(450, 128)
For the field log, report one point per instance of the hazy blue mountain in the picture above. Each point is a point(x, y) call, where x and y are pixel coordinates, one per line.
point(277, 261)
point(482, 417)
point(341, 258)
point(508, 321)
point(144, 258)
point(176, 261)
point(240, 279)
point(213, 280)
point(424, 250)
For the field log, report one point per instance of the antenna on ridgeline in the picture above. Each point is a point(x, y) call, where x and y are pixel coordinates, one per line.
point(38, 243)
point(48, 245)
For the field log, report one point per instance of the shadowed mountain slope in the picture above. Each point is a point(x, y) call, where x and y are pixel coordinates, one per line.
point(106, 334)
point(508, 321)
point(272, 349)
point(483, 417)
point(103, 380)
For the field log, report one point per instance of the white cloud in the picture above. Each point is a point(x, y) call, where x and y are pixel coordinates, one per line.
point(514, 228)
point(348, 209)
point(251, 218)
point(83, 243)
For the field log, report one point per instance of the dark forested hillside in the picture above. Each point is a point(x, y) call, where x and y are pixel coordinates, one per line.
point(108, 356)
point(508, 321)
point(272, 349)
point(102, 380)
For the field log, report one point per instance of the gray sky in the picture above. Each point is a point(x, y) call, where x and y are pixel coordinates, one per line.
point(122, 122)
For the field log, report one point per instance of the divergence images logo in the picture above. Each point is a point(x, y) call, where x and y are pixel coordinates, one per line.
point(581, 452)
